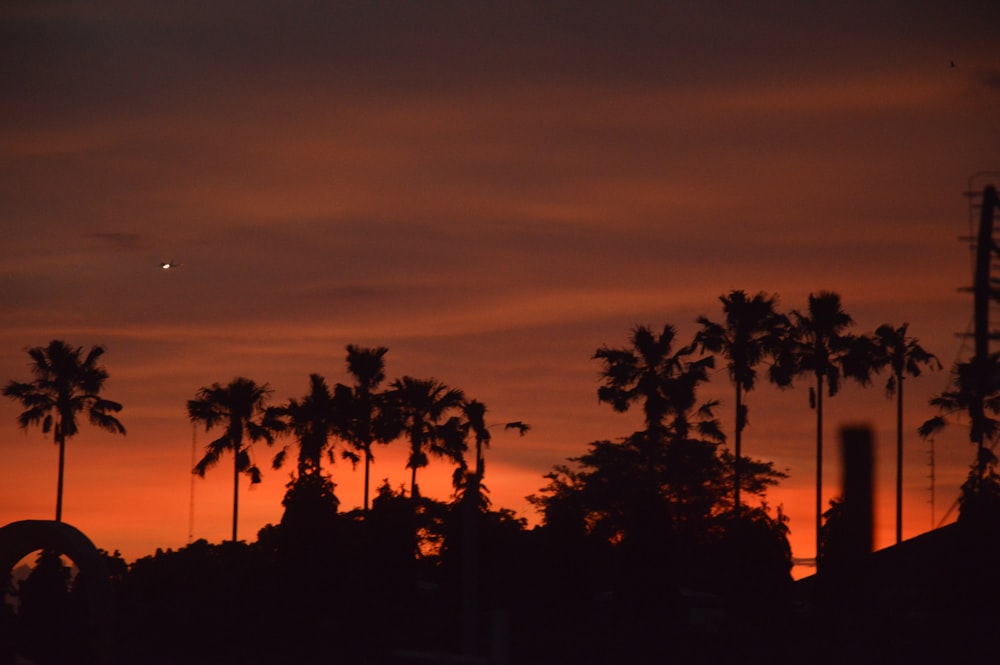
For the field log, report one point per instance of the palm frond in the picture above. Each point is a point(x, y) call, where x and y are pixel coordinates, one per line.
point(522, 428)
point(255, 476)
point(931, 426)
point(106, 422)
point(207, 462)
point(279, 458)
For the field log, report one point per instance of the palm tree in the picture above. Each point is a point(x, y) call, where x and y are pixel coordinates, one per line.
point(474, 415)
point(979, 399)
point(65, 384)
point(312, 420)
point(475, 418)
point(650, 372)
point(817, 345)
point(421, 405)
point(471, 495)
point(365, 421)
point(752, 331)
point(904, 356)
point(241, 408)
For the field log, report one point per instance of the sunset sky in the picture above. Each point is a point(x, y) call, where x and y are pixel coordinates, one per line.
point(492, 191)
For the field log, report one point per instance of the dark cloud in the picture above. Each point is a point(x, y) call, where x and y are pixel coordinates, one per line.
point(115, 56)
point(116, 240)
point(990, 78)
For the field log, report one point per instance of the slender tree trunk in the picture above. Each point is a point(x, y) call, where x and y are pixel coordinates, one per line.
point(367, 437)
point(819, 463)
point(413, 483)
point(479, 459)
point(236, 489)
point(739, 448)
point(470, 570)
point(62, 465)
point(899, 458)
point(368, 462)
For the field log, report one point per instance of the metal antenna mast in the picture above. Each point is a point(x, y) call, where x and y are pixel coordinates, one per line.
point(984, 290)
point(983, 248)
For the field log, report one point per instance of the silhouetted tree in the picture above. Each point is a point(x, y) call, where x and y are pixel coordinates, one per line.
point(366, 420)
point(421, 404)
point(817, 345)
point(629, 490)
point(904, 357)
point(979, 497)
point(312, 420)
point(241, 408)
point(834, 536)
point(679, 441)
point(65, 384)
point(968, 394)
point(471, 505)
point(310, 503)
point(473, 424)
point(658, 498)
point(475, 418)
point(663, 380)
point(310, 541)
point(753, 331)
point(649, 524)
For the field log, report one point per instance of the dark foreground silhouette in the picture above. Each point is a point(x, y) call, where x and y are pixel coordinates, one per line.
point(348, 589)
point(345, 590)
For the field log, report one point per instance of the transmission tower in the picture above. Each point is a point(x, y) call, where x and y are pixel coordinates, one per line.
point(984, 291)
point(984, 253)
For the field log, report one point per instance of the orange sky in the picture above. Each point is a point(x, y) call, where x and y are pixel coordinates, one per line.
point(492, 192)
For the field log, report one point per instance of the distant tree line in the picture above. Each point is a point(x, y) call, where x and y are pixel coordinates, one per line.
point(652, 548)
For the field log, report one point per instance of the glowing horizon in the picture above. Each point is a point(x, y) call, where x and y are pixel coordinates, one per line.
point(490, 192)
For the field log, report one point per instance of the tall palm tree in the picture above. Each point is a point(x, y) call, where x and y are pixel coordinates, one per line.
point(752, 331)
point(817, 345)
point(241, 408)
point(651, 372)
point(422, 405)
point(365, 418)
point(475, 418)
point(66, 383)
point(312, 420)
point(474, 422)
point(471, 494)
point(904, 356)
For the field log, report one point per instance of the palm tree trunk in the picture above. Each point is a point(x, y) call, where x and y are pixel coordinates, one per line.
point(479, 459)
point(739, 448)
point(62, 464)
point(413, 483)
point(236, 489)
point(368, 462)
point(470, 570)
point(899, 458)
point(819, 463)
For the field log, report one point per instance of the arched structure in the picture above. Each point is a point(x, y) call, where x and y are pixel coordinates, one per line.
point(18, 539)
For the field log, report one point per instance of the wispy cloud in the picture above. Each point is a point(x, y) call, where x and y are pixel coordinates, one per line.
point(117, 240)
point(490, 189)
